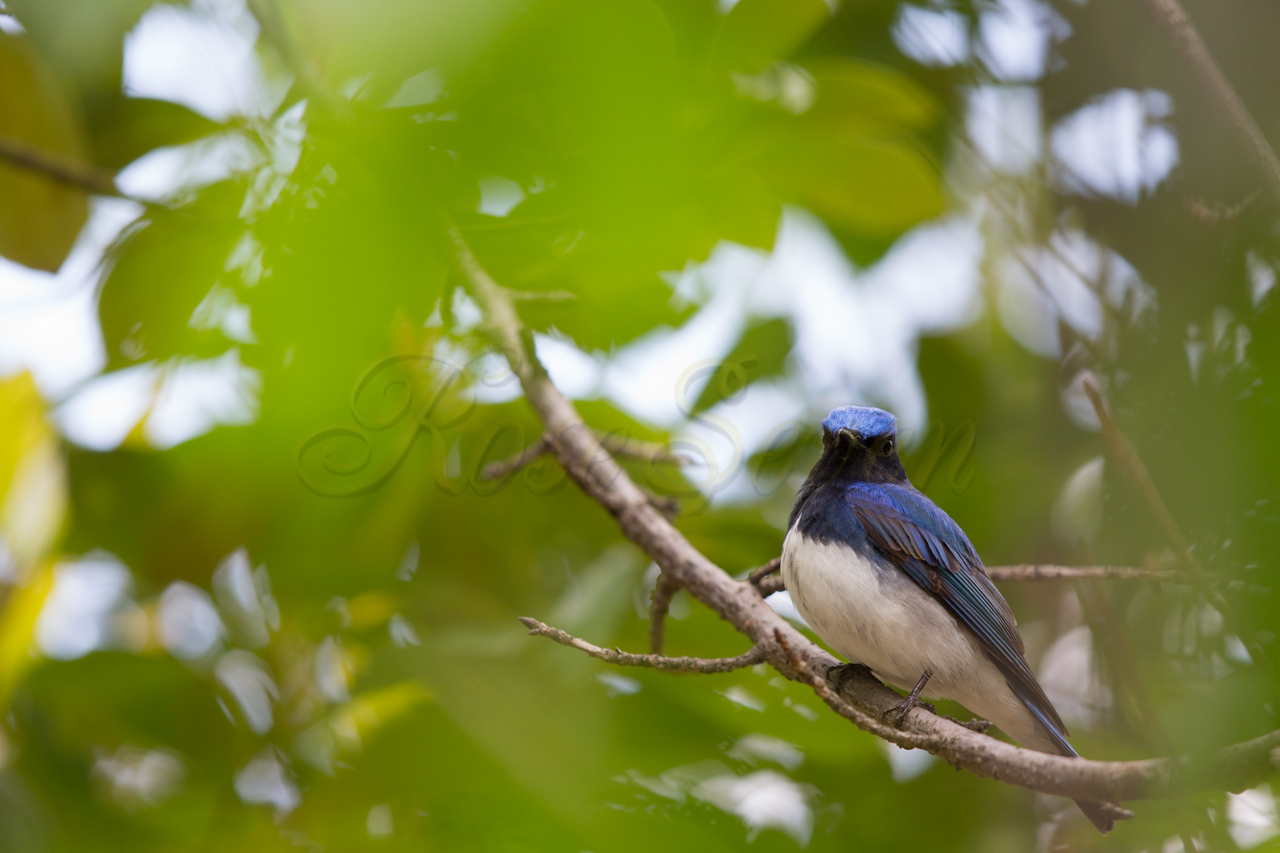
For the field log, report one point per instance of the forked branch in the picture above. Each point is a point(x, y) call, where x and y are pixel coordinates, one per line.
point(629, 448)
point(864, 700)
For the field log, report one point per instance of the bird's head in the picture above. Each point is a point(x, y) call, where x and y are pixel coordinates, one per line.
point(861, 443)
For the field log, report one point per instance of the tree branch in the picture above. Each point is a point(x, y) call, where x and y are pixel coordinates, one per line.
point(82, 176)
point(1187, 42)
point(683, 664)
point(739, 603)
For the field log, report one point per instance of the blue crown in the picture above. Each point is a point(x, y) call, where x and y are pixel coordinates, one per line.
point(864, 420)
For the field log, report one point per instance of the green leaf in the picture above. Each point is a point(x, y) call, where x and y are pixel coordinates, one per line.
point(134, 126)
point(756, 31)
point(84, 41)
point(857, 94)
point(185, 248)
point(760, 353)
point(870, 186)
point(39, 216)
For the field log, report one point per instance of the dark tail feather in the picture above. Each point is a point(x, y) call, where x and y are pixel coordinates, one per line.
point(1098, 815)
point(1103, 815)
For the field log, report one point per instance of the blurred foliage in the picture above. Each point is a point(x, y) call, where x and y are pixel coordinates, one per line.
point(40, 218)
point(313, 640)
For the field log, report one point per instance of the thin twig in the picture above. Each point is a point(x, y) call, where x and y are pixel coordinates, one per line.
point(1034, 572)
point(663, 591)
point(739, 603)
point(643, 451)
point(1213, 213)
point(759, 573)
point(542, 295)
point(1126, 456)
point(81, 175)
point(668, 506)
point(504, 468)
point(1187, 42)
point(768, 586)
point(630, 448)
point(682, 664)
point(768, 583)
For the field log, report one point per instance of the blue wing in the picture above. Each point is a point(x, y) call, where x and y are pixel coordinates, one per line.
point(922, 540)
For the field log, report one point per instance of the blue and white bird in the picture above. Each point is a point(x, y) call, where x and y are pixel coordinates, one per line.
point(888, 580)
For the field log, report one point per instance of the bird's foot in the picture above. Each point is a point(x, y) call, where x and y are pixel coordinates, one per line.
point(838, 675)
point(974, 725)
point(899, 712)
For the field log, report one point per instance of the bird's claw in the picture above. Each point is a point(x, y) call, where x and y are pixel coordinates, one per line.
point(898, 713)
point(974, 725)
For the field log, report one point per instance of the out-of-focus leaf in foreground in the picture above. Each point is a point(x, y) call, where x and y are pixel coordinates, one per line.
point(39, 215)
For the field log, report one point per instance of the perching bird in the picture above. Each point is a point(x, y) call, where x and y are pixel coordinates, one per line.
point(888, 580)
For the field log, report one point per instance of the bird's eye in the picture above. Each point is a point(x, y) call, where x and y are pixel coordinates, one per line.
point(887, 448)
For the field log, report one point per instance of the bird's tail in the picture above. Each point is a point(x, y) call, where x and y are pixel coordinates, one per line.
point(1101, 814)
point(1098, 815)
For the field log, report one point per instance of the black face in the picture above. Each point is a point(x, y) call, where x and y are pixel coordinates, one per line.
point(848, 457)
point(851, 457)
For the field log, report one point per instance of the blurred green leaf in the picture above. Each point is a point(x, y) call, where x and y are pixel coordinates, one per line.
point(82, 39)
point(856, 96)
point(760, 353)
point(186, 248)
point(756, 31)
point(869, 186)
point(39, 216)
point(134, 126)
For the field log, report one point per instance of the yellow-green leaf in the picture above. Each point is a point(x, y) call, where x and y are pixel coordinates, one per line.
point(33, 490)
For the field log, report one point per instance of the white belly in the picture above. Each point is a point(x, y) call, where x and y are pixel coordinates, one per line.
point(882, 619)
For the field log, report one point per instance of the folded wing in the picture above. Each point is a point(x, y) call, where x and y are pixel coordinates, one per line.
point(919, 538)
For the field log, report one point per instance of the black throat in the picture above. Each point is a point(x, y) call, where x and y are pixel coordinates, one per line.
point(844, 462)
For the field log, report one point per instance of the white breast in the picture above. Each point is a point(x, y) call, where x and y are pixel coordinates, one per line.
point(876, 617)
point(879, 617)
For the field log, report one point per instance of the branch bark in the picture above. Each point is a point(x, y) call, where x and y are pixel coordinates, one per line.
point(740, 603)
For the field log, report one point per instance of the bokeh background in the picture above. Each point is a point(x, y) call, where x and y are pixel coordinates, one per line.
point(256, 591)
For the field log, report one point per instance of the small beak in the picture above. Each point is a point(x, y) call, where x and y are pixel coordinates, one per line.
point(855, 437)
